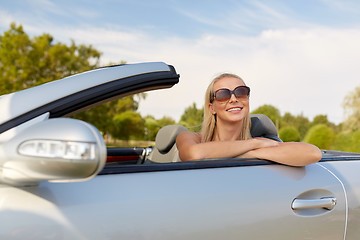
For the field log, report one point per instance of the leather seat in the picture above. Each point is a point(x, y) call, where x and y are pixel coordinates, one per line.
point(262, 126)
point(165, 150)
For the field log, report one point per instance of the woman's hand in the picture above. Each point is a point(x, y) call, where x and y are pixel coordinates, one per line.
point(260, 143)
point(265, 142)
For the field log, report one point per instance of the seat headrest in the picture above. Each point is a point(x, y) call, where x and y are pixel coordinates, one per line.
point(166, 137)
point(262, 126)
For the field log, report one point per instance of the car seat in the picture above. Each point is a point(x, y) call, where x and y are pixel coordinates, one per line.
point(262, 126)
point(165, 150)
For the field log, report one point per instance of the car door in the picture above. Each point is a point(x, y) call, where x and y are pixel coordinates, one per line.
point(249, 201)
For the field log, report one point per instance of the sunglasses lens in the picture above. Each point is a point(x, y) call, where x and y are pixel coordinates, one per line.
point(241, 92)
point(222, 95)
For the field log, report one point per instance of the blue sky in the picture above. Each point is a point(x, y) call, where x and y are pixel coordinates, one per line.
point(300, 56)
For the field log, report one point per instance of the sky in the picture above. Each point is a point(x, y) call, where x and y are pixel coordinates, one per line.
point(303, 57)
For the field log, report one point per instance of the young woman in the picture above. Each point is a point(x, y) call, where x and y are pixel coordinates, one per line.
point(226, 130)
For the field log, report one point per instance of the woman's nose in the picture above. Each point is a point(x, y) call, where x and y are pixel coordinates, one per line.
point(233, 98)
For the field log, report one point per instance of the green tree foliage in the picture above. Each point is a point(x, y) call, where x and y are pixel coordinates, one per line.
point(301, 123)
point(321, 136)
point(347, 141)
point(26, 62)
point(102, 116)
point(351, 106)
point(192, 118)
point(320, 119)
point(128, 125)
point(343, 142)
point(289, 134)
point(272, 112)
point(152, 126)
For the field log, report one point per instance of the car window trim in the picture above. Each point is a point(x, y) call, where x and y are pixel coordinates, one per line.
point(329, 156)
point(190, 165)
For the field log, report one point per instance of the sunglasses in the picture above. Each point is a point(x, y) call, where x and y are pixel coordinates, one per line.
point(224, 94)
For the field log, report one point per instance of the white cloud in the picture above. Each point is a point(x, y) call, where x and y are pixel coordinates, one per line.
point(5, 19)
point(300, 71)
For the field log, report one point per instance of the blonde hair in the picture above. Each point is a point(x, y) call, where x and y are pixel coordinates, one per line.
point(209, 123)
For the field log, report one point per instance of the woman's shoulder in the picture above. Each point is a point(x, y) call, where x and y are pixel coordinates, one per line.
point(194, 136)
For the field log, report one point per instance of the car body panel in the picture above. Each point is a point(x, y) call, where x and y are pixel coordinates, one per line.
point(348, 174)
point(221, 203)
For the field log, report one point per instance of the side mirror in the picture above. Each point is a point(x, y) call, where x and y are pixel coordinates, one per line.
point(58, 149)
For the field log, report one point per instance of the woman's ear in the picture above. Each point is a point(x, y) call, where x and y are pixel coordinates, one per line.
point(212, 109)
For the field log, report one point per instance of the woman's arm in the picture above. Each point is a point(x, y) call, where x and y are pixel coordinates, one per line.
point(289, 153)
point(190, 147)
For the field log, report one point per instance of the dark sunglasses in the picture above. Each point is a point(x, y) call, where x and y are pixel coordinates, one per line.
point(224, 94)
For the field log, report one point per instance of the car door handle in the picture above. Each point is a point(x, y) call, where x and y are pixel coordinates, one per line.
point(326, 202)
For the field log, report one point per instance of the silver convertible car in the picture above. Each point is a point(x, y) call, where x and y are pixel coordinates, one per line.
point(59, 181)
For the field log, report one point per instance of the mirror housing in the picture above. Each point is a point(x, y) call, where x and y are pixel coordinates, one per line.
point(60, 149)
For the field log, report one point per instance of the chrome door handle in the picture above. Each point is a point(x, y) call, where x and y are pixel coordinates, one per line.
point(326, 202)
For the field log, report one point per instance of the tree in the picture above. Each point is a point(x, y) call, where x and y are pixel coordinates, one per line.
point(128, 125)
point(152, 126)
point(351, 106)
point(347, 141)
point(272, 112)
point(192, 118)
point(27, 62)
point(289, 134)
point(102, 116)
point(301, 123)
point(320, 119)
point(320, 135)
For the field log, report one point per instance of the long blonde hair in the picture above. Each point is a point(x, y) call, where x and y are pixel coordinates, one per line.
point(209, 123)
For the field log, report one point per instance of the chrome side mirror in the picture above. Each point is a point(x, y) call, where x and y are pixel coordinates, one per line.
point(58, 149)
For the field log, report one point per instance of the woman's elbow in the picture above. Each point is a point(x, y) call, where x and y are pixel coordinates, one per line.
point(313, 155)
point(190, 154)
point(301, 154)
point(316, 155)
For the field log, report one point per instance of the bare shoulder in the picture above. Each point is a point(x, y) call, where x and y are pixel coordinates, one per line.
point(188, 137)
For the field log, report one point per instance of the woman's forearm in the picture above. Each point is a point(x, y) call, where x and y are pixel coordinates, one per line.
point(289, 153)
point(216, 149)
point(220, 149)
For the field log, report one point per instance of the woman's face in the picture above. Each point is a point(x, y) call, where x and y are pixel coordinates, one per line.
point(234, 110)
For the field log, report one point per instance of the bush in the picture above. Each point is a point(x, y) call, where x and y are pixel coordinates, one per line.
point(289, 134)
point(347, 141)
point(320, 135)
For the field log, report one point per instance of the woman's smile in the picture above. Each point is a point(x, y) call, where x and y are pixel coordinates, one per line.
point(234, 109)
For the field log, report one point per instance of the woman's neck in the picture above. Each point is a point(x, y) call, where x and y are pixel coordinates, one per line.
point(228, 131)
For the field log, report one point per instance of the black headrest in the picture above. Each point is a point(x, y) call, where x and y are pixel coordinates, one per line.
point(262, 126)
